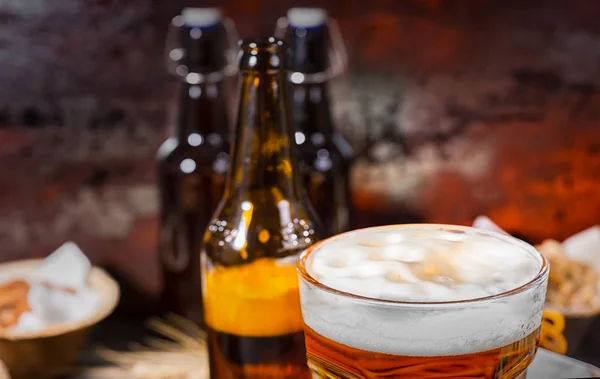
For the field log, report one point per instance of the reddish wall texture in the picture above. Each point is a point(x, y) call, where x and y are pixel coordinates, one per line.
point(456, 108)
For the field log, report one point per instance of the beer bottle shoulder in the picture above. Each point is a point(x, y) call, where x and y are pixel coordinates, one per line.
point(173, 151)
point(325, 153)
point(343, 146)
point(261, 225)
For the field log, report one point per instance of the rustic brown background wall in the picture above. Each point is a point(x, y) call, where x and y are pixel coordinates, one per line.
point(455, 107)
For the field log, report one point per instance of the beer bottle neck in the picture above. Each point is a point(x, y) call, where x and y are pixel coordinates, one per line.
point(202, 110)
point(309, 49)
point(311, 108)
point(309, 55)
point(264, 153)
point(202, 102)
point(205, 48)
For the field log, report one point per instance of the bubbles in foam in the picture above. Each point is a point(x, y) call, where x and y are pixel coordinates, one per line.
point(434, 266)
point(422, 266)
point(402, 252)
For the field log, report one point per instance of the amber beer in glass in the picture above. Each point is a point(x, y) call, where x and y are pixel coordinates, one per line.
point(251, 247)
point(422, 301)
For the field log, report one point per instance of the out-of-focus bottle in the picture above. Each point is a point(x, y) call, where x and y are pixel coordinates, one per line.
point(326, 156)
point(193, 162)
point(250, 285)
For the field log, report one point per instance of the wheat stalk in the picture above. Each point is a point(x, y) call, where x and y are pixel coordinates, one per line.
point(184, 356)
point(3, 371)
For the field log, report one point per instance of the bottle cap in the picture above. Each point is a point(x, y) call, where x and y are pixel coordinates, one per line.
point(300, 17)
point(307, 17)
point(180, 55)
point(201, 17)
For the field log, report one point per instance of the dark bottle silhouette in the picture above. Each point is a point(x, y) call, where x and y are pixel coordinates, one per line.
point(192, 164)
point(326, 157)
point(251, 298)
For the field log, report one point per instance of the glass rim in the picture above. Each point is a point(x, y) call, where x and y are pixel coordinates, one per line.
point(538, 278)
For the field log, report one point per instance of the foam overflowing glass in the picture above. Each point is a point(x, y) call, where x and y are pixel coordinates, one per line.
point(422, 301)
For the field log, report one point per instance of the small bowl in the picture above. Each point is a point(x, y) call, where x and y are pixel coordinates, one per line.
point(54, 351)
point(576, 312)
point(578, 320)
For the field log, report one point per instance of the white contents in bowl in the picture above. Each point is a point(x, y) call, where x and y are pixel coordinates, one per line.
point(58, 291)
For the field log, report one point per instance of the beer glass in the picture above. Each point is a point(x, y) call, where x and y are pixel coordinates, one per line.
point(422, 301)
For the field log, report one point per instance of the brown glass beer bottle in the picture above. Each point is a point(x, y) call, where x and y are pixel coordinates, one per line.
point(250, 285)
point(192, 164)
point(326, 157)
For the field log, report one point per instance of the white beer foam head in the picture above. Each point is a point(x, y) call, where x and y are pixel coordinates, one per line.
point(426, 266)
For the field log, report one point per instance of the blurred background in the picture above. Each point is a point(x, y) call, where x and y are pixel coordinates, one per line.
point(454, 109)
